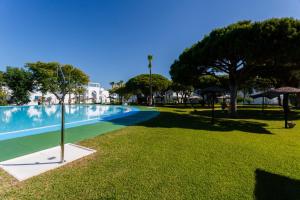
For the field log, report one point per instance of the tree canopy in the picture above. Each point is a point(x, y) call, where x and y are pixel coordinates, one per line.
point(184, 73)
point(2, 92)
point(141, 84)
point(20, 82)
point(48, 78)
point(1, 78)
point(206, 81)
point(242, 50)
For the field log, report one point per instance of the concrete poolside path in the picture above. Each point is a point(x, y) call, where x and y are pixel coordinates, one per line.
point(27, 166)
point(16, 147)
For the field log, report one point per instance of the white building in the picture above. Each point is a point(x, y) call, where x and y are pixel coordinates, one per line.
point(94, 93)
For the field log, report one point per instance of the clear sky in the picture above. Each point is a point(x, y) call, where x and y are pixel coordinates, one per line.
point(110, 40)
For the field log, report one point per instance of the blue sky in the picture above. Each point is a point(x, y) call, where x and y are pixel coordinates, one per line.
point(110, 39)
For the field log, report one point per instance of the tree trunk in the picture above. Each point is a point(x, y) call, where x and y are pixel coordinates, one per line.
point(185, 99)
point(298, 100)
point(43, 98)
point(244, 96)
point(279, 100)
point(233, 96)
point(203, 100)
point(286, 109)
point(69, 98)
point(263, 104)
point(213, 109)
point(181, 99)
point(151, 94)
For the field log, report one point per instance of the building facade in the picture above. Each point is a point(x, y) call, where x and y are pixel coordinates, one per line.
point(94, 93)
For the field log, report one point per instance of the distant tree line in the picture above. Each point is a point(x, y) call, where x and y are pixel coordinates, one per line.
point(250, 54)
point(43, 77)
point(139, 86)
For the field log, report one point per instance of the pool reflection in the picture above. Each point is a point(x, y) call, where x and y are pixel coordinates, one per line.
point(14, 118)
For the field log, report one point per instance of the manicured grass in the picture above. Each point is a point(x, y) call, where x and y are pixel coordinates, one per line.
point(180, 155)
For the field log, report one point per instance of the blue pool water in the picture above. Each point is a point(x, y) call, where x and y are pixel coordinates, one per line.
point(19, 121)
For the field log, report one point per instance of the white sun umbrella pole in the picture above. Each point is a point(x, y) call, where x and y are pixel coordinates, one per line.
point(62, 130)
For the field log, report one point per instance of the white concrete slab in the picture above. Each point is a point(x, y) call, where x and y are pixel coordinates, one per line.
point(30, 165)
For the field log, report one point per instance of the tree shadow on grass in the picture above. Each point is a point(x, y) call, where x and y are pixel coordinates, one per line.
point(198, 122)
point(275, 115)
point(277, 187)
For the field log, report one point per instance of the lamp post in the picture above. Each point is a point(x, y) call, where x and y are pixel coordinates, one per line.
point(150, 57)
point(62, 130)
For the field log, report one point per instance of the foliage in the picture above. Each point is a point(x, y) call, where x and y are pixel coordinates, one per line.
point(277, 50)
point(183, 74)
point(150, 58)
point(263, 84)
point(183, 90)
point(112, 83)
point(79, 90)
point(208, 81)
point(244, 50)
point(248, 86)
point(223, 51)
point(1, 78)
point(141, 84)
point(244, 100)
point(3, 95)
point(122, 92)
point(277, 43)
point(177, 87)
point(117, 84)
point(205, 81)
point(20, 82)
point(281, 76)
point(48, 78)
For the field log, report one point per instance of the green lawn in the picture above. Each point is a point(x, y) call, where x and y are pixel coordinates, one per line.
point(180, 155)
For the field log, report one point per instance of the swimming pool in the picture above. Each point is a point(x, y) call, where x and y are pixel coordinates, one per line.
point(19, 121)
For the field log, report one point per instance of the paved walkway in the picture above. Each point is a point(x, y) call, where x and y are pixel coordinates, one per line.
point(16, 147)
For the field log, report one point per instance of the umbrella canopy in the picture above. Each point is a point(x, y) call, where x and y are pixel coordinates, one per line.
point(267, 94)
point(272, 93)
point(286, 90)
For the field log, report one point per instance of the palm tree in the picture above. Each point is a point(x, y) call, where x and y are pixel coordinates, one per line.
point(112, 84)
point(120, 83)
point(150, 58)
